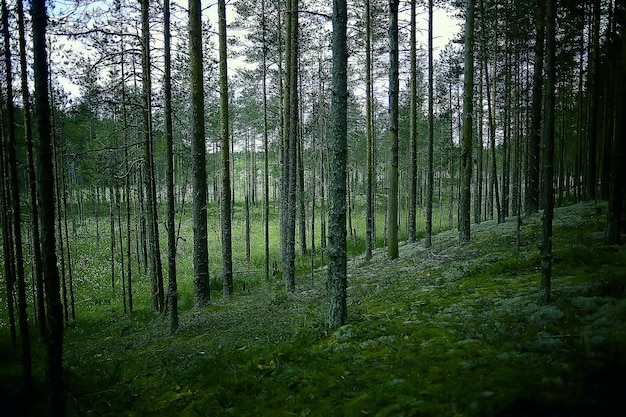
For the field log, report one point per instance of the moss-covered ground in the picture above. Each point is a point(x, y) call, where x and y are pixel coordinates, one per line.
point(447, 331)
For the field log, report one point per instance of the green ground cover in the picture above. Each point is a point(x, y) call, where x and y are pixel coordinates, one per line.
point(447, 331)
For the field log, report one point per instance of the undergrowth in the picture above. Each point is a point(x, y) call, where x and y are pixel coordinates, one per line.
point(446, 331)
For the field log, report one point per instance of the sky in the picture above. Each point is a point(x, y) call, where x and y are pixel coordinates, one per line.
point(445, 26)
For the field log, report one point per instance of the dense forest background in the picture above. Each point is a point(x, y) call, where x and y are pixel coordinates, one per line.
point(159, 156)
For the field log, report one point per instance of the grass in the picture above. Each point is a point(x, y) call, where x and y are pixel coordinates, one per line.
point(447, 331)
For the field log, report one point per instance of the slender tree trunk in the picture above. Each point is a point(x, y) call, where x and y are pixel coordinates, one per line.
point(478, 193)
point(129, 287)
point(394, 87)
point(301, 198)
point(466, 144)
point(289, 157)
point(431, 135)
point(172, 287)
point(618, 172)
point(338, 149)
point(531, 202)
point(41, 313)
point(202, 289)
point(227, 252)
point(45, 194)
point(27, 373)
point(7, 235)
point(594, 105)
point(266, 181)
point(548, 156)
point(413, 128)
point(369, 211)
point(154, 253)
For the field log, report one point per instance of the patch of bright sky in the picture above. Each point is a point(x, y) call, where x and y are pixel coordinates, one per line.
point(446, 25)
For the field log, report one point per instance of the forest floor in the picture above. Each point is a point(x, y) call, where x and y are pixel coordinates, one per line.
point(454, 330)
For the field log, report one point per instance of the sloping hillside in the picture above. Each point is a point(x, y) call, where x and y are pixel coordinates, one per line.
point(447, 331)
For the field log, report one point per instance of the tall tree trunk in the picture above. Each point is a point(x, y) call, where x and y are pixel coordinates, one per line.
point(45, 194)
point(369, 211)
point(466, 144)
point(413, 128)
point(129, 287)
point(338, 149)
point(172, 286)
point(618, 171)
point(548, 156)
point(531, 201)
point(202, 289)
point(478, 193)
point(154, 253)
point(40, 304)
point(394, 87)
point(301, 195)
point(27, 373)
point(594, 105)
point(7, 235)
point(289, 158)
point(266, 180)
point(430, 174)
point(227, 251)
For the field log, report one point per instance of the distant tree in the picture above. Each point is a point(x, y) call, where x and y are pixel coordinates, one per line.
point(338, 150)
point(45, 197)
point(548, 154)
point(202, 289)
point(227, 252)
point(394, 87)
point(466, 143)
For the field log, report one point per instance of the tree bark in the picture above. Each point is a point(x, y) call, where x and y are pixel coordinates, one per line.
point(531, 201)
point(430, 174)
point(227, 251)
point(154, 252)
point(370, 210)
point(466, 144)
point(202, 289)
point(288, 212)
point(40, 303)
point(548, 155)
point(411, 228)
point(14, 192)
point(394, 87)
point(338, 149)
point(45, 194)
point(172, 286)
